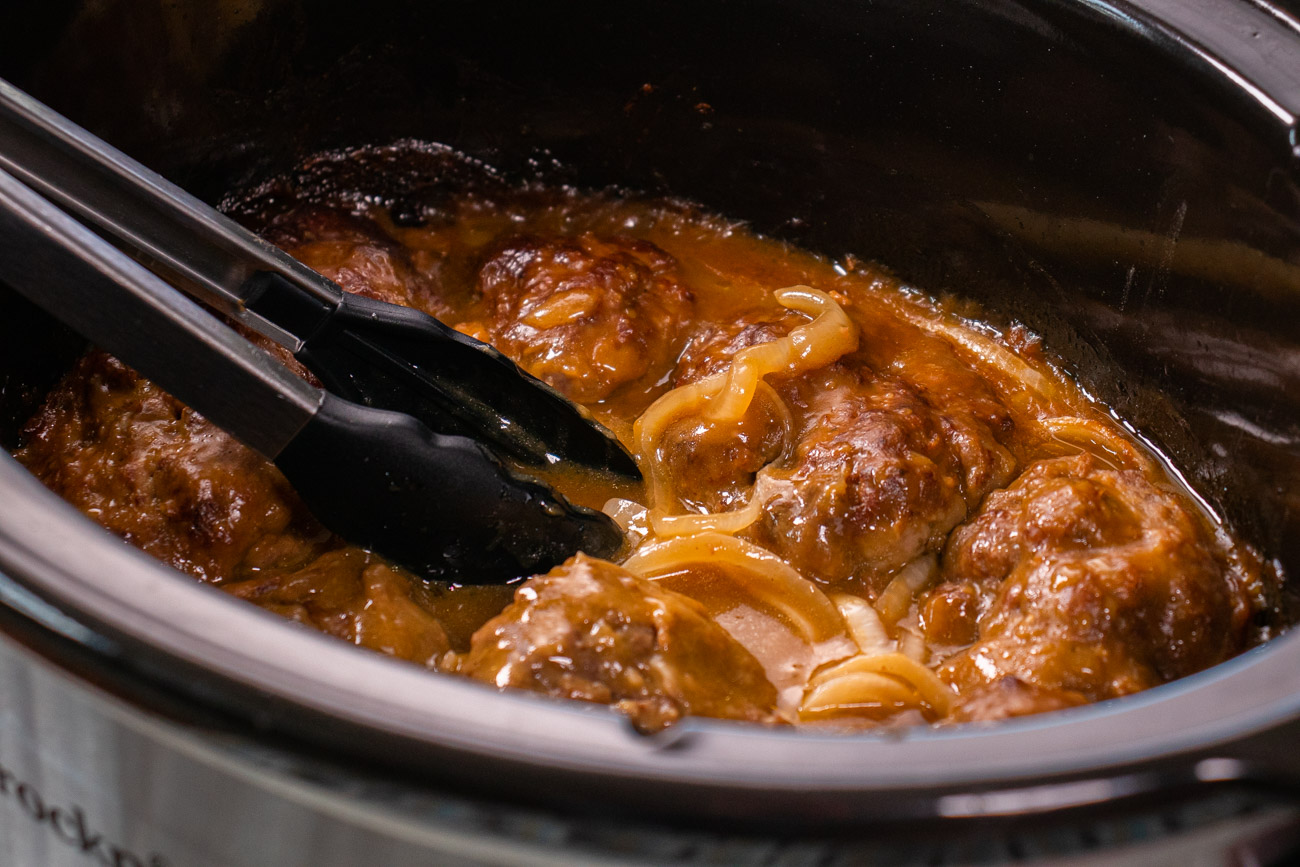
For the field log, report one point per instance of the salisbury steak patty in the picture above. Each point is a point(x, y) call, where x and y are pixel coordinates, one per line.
point(1093, 581)
point(590, 630)
point(584, 314)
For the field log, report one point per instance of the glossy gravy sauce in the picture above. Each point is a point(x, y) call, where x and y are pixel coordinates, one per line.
point(948, 528)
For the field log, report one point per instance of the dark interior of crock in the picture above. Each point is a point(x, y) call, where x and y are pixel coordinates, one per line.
point(1043, 158)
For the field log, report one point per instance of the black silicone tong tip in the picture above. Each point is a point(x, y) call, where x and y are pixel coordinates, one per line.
point(438, 505)
point(390, 357)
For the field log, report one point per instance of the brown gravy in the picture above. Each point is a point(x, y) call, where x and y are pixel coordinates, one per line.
point(947, 527)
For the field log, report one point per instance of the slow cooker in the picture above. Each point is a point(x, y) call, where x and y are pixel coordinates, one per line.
point(1119, 176)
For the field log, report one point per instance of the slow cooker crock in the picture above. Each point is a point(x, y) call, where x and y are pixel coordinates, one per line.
point(1120, 176)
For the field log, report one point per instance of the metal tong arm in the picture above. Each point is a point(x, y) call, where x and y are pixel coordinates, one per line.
point(202, 251)
point(439, 505)
point(451, 383)
point(116, 303)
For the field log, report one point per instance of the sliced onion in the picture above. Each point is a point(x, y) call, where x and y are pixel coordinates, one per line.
point(726, 396)
point(894, 602)
point(864, 624)
point(631, 517)
point(857, 690)
point(768, 578)
point(1099, 440)
point(937, 694)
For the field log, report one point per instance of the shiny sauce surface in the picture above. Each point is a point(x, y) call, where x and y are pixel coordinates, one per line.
point(929, 524)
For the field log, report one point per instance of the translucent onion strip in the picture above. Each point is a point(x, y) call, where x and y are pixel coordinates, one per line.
point(716, 522)
point(911, 643)
point(983, 347)
point(631, 518)
point(782, 415)
point(894, 603)
point(864, 624)
point(857, 690)
point(987, 350)
point(726, 396)
point(769, 578)
point(1097, 439)
point(765, 487)
point(935, 693)
point(808, 347)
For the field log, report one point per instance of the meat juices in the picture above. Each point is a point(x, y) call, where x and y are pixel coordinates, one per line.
point(1040, 576)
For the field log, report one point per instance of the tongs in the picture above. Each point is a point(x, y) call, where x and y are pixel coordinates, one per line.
point(396, 453)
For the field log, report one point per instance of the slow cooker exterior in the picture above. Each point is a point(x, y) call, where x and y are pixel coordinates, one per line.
point(91, 779)
point(1120, 176)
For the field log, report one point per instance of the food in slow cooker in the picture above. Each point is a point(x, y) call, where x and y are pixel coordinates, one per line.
point(860, 508)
